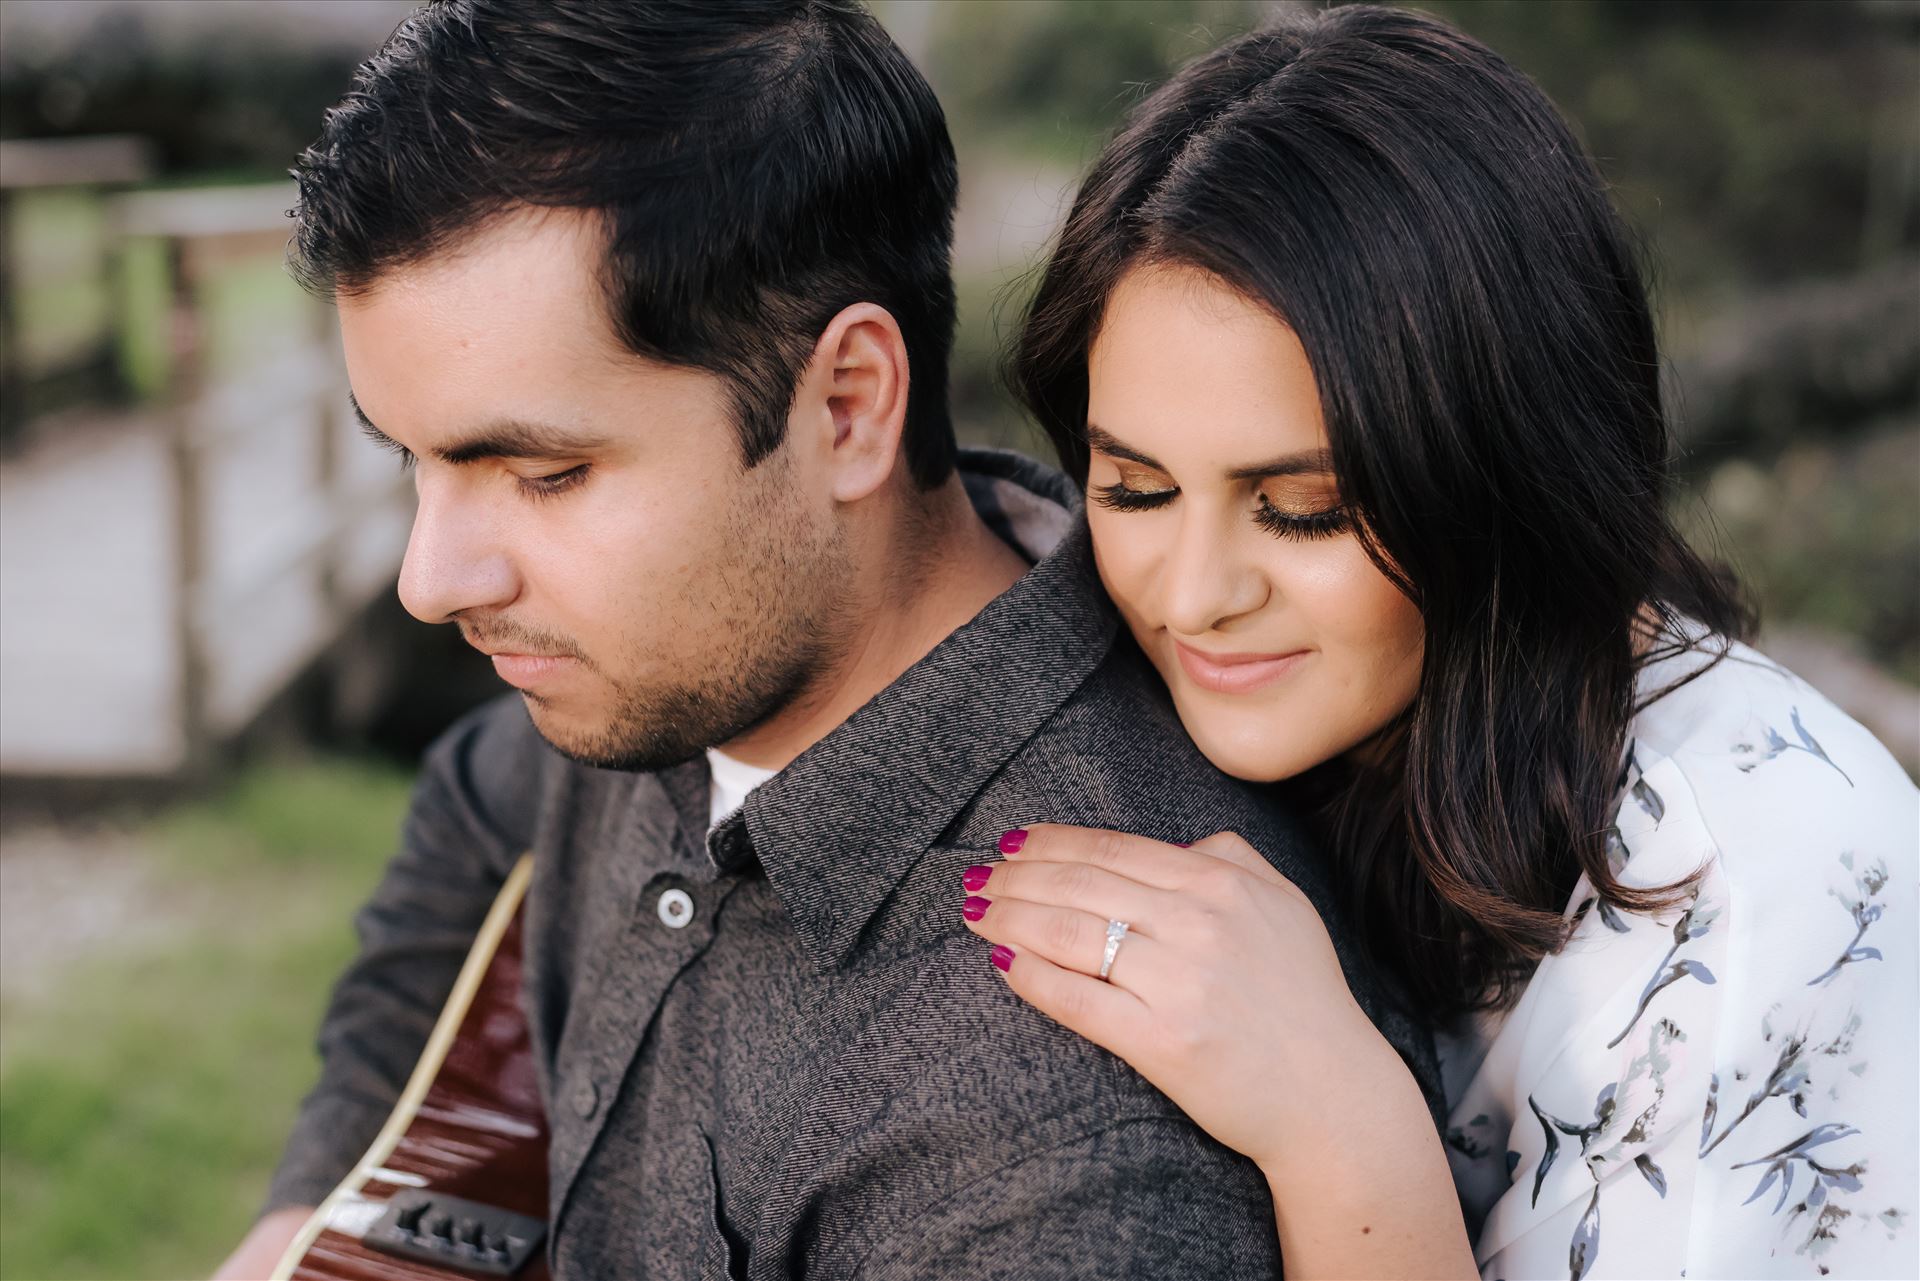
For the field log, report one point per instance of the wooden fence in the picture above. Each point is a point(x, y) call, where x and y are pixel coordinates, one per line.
point(170, 569)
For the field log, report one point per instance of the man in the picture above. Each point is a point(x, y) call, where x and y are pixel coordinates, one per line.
point(656, 298)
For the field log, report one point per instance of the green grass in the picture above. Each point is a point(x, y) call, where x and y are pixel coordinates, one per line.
point(61, 294)
point(142, 338)
point(143, 1103)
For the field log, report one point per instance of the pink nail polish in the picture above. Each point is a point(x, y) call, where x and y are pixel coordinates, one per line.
point(1011, 842)
point(975, 907)
point(1002, 957)
point(975, 877)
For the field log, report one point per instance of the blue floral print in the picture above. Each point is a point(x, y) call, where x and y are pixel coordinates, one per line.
point(1753, 1112)
point(1864, 910)
point(1776, 745)
point(1691, 925)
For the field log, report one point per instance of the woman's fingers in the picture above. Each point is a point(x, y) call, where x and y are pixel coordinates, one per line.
point(1078, 885)
point(1138, 858)
point(1106, 1014)
point(1069, 938)
point(1157, 863)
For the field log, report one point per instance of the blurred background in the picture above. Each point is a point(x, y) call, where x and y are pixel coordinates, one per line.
point(211, 704)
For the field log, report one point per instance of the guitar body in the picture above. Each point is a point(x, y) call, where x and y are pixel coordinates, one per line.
point(455, 1186)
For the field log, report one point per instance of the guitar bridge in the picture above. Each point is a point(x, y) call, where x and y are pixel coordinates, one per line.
point(451, 1232)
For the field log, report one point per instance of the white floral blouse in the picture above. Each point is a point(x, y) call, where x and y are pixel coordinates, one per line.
point(1727, 1089)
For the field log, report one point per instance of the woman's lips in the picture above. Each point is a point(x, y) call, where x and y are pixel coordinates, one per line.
point(523, 670)
point(1235, 673)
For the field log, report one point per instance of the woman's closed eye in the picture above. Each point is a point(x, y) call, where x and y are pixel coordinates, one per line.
point(1121, 497)
point(1315, 524)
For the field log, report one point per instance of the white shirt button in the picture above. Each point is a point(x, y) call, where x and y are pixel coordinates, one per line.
point(676, 909)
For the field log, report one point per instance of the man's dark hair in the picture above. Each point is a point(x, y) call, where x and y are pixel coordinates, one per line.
point(759, 164)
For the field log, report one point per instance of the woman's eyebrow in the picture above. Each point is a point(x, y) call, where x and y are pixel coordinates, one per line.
point(1306, 462)
point(1103, 442)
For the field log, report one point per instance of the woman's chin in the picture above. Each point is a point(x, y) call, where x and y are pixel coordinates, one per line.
point(1256, 746)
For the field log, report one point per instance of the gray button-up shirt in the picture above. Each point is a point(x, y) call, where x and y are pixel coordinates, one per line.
point(773, 1050)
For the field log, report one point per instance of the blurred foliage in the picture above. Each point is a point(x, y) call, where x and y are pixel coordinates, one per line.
point(1047, 78)
point(1788, 366)
point(236, 102)
point(1752, 139)
point(1806, 553)
point(139, 1119)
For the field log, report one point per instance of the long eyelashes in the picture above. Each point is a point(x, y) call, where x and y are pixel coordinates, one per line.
point(1313, 525)
point(1118, 497)
point(1324, 524)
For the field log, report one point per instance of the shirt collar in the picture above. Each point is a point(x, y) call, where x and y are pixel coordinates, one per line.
point(839, 826)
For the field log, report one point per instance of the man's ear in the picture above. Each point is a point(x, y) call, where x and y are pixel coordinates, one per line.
point(853, 399)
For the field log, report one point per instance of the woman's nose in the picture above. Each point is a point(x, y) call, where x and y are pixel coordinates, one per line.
point(454, 562)
point(1206, 579)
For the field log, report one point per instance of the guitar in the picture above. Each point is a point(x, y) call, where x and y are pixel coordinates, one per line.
point(455, 1185)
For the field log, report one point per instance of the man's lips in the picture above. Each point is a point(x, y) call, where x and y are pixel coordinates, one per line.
point(1235, 673)
point(523, 670)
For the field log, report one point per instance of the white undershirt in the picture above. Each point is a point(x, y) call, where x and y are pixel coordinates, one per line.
point(732, 780)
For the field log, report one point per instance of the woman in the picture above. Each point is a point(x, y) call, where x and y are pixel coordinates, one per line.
point(1349, 348)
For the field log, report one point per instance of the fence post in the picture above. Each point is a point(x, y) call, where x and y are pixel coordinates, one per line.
point(186, 383)
point(11, 382)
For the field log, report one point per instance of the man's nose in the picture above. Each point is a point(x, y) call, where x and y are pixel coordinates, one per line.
point(454, 562)
point(1207, 579)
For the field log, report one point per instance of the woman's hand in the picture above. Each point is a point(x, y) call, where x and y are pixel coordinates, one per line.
point(1226, 994)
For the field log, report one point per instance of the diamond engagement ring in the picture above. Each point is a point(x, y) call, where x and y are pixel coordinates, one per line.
point(1116, 930)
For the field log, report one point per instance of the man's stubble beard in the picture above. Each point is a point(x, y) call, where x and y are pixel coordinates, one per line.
point(772, 618)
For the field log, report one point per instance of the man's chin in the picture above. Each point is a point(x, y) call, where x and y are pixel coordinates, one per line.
point(603, 745)
point(587, 744)
point(626, 726)
point(624, 757)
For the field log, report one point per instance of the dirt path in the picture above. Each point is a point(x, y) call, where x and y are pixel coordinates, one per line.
point(71, 895)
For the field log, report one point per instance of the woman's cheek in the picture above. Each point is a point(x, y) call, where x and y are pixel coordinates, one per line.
point(1124, 557)
point(1370, 636)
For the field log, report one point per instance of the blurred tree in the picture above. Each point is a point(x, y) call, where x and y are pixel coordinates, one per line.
point(220, 89)
point(1052, 76)
point(1753, 140)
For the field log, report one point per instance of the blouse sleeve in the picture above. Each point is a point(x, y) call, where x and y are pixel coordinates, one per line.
point(1728, 1089)
point(1807, 1138)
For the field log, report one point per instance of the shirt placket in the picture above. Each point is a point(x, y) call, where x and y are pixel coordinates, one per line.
point(669, 922)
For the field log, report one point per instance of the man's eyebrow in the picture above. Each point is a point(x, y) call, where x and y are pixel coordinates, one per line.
point(1306, 462)
point(509, 438)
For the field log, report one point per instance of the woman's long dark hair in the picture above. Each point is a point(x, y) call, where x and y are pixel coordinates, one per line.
point(1422, 218)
